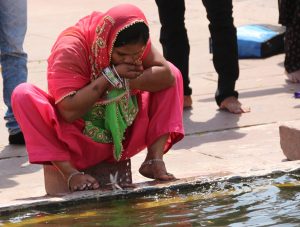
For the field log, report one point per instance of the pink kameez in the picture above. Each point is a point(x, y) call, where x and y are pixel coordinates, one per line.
point(72, 66)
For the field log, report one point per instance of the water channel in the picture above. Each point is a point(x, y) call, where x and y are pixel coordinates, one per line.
point(265, 201)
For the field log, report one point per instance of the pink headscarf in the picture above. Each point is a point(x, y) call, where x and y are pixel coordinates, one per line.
point(82, 51)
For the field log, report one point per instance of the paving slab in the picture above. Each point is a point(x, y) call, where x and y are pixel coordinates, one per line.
point(217, 144)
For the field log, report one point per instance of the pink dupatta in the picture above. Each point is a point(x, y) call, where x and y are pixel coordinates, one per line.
point(82, 51)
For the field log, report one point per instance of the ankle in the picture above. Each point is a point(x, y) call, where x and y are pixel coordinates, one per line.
point(187, 101)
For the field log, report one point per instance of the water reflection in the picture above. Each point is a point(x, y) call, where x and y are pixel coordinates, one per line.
point(255, 202)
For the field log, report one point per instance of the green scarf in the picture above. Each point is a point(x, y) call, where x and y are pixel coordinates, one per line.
point(107, 123)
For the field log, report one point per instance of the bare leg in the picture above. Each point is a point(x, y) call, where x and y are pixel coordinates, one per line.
point(76, 181)
point(153, 166)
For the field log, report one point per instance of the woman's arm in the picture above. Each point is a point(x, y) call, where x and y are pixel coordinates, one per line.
point(74, 107)
point(157, 74)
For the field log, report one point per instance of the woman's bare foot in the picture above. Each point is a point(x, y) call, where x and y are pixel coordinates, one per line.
point(156, 169)
point(80, 181)
point(76, 181)
point(294, 77)
point(233, 105)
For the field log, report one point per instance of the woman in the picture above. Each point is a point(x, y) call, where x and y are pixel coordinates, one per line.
point(111, 94)
point(289, 16)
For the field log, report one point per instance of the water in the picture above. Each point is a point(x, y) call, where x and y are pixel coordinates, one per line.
point(253, 202)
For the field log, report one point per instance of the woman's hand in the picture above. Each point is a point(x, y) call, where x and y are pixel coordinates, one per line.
point(155, 76)
point(129, 71)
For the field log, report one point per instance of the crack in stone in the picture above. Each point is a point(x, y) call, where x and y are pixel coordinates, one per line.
point(18, 156)
point(227, 129)
point(214, 156)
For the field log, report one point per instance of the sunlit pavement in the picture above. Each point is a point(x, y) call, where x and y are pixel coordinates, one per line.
point(217, 143)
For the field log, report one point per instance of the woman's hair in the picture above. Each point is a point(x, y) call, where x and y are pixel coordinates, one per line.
point(136, 33)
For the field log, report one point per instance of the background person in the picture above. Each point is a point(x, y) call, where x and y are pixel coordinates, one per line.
point(13, 59)
point(176, 48)
point(289, 16)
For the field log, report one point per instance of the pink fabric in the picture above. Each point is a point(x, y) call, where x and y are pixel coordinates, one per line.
point(49, 138)
point(82, 51)
point(77, 57)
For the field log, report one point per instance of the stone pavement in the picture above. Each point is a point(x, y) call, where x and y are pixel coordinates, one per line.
point(217, 144)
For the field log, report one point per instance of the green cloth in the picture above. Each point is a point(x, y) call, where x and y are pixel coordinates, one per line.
point(107, 123)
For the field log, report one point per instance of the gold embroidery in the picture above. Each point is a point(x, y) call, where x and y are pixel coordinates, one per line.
point(109, 18)
point(101, 43)
point(95, 120)
point(98, 44)
point(128, 25)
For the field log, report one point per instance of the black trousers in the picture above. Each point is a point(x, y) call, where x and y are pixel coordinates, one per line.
point(176, 48)
point(289, 16)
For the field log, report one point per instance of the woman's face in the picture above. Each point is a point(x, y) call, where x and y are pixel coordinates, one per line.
point(130, 54)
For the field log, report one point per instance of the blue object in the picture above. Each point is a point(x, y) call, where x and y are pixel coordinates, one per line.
point(297, 94)
point(256, 41)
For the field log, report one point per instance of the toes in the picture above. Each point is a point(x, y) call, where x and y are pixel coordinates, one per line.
point(245, 109)
point(85, 182)
point(86, 186)
point(95, 186)
point(167, 177)
point(83, 187)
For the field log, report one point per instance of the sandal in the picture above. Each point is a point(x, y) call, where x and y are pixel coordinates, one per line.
point(156, 169)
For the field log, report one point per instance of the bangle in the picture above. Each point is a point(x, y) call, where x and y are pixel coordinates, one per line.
point(71, 176)
point(111, 77)
point(118, 76)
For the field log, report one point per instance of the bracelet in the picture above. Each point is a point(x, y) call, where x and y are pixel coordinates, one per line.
point(118, 76)
point(71, 176)
point(111, 77)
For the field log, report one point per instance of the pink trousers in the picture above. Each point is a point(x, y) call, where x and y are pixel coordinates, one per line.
point(49, 138)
